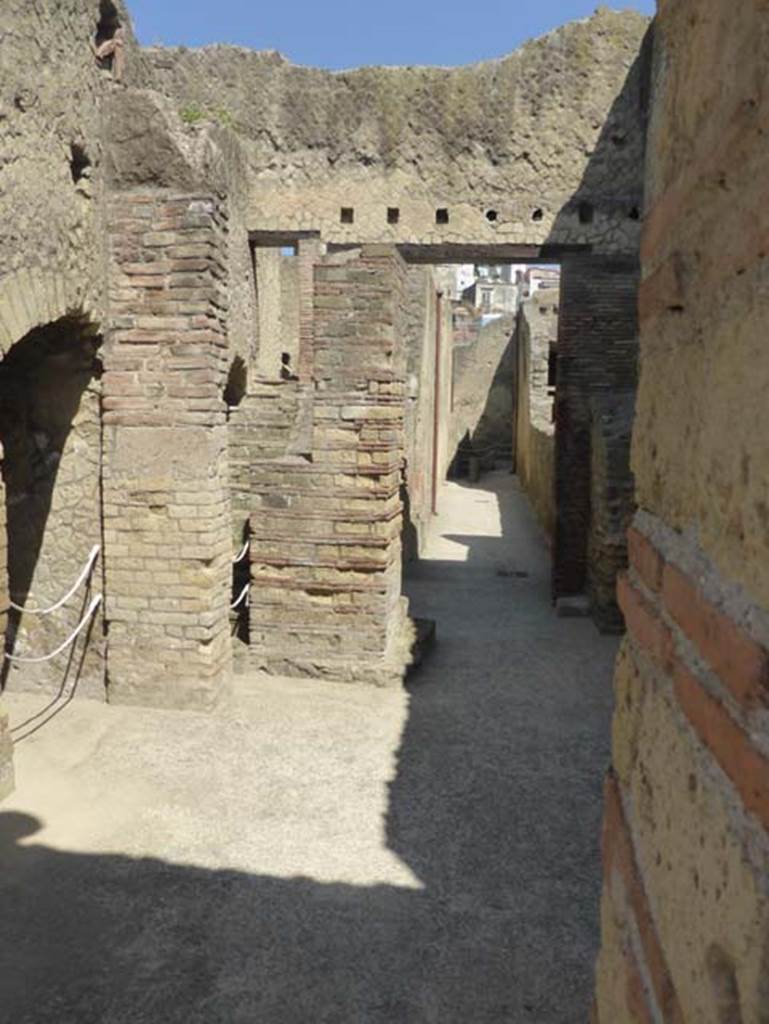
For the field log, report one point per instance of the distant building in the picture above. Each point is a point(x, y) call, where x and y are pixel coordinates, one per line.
point(453, 279)
point(492, 296)
point(543, 277)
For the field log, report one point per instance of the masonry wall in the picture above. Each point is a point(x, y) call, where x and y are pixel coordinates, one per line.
point(685, 907)
point(50, 426)
point(597, 361)
point(612, 503)
point(536, 333)
point(529, 138)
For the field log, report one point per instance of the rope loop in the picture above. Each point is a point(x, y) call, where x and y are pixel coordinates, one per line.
point(62, 647)
point(242, 554)
point(55, 607)
point(243, 594)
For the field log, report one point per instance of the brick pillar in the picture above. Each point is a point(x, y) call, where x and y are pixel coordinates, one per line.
point(597, 357)
point(166, 504)
point(326, 547)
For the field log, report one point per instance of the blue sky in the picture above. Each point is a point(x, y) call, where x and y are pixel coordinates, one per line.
point(346, 33)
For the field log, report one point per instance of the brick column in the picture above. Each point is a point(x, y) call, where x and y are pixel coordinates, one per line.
point(597, 357)
point(326, 548)
point(166, 505)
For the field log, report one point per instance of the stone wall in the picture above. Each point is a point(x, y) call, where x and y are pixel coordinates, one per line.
point(50, 175)
point(50, 426)
point(482, 391)
point(597, 360)
point(685, 913)
point(536, 335)
point(543, 145)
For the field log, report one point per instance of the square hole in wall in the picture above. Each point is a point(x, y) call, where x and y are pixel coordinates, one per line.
point(393, 215)
point(441, 216)
point(347, 215)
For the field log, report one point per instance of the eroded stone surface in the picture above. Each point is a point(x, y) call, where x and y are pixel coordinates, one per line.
point(532, 135)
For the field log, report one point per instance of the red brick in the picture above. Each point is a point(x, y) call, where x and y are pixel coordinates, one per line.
point(645, 559)
point(619, 855)
point(730, 745)
point(644, 623)
point(740, 663)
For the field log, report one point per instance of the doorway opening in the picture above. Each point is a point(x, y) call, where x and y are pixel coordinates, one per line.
point(50, 430)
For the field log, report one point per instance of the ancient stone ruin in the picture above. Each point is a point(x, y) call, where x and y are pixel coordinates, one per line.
point(232, 379)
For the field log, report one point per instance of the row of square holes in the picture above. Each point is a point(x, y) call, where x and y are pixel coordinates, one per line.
point(347, 215)
point(585, 212)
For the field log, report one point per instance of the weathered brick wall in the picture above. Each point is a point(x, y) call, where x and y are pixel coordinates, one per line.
point(597, 357)
point(419, 326)
point(482, 390)
point(167, 529)
point(428, 338)
point(272, 423)
point(612, 503)
point(536, 331)
point(685, 913)
point(325, 531)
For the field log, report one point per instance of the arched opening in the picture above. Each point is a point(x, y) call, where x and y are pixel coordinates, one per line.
point(50, 431)
point(109, 21)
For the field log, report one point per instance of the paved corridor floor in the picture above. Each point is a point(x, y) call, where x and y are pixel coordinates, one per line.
point(321, 854)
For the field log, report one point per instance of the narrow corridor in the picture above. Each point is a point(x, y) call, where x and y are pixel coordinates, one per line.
point(496, 806)
point(319, 853)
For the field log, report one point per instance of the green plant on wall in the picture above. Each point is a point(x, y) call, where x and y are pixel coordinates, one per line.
point(223, 117)
point(193, 114)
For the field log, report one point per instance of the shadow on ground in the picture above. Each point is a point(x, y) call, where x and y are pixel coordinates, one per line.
point(495, 808)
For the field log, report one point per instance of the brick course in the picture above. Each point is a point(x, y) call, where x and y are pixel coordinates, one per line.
point(739, 662)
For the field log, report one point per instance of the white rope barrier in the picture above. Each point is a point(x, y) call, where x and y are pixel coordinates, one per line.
point(242, 554)
point(54, 607)
point(47, 657)
point(242, 596)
